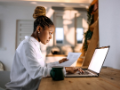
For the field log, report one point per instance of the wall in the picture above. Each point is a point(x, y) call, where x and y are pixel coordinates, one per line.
point(109, 30)
point(8, 16)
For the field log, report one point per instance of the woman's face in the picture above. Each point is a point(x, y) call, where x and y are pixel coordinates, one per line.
point(46, 34)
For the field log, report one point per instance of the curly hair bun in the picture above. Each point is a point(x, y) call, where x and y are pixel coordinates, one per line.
point(39, 11)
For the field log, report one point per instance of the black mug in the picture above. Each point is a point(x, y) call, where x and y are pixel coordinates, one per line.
point(57, 73)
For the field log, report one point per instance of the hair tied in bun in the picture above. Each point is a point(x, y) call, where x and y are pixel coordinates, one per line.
point(39, 11)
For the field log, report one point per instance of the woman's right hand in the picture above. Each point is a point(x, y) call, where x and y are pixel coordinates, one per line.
point(73, 69)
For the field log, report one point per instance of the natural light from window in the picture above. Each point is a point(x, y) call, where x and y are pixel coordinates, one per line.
point(79, 35)
point(59, 35)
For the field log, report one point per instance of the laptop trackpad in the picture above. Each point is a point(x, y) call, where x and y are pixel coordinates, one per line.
point(86, 73)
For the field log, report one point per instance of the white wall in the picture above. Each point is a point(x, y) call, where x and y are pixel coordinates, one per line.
point(8, 16)
point(109, 30)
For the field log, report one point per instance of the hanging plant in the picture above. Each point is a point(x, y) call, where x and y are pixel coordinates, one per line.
point(88, 36)
point(89, 14)
point(89, 33)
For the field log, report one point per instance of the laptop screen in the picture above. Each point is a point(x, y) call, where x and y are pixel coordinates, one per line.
point(98, 59)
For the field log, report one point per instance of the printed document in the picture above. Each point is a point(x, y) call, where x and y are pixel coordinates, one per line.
point(72, 57)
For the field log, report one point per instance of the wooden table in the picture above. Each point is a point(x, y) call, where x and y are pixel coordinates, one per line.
point(109, 79)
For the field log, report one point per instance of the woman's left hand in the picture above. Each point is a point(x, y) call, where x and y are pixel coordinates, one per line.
point(63, 60)
point(73, 69)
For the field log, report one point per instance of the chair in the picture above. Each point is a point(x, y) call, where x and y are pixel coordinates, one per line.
point(4, 78)
point(1, 88)
point(1, 66)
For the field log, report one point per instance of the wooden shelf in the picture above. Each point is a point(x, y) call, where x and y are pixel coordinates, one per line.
point(92, 45)
point(93, 26)
point(93, 42)
point(95, 15)
point(88, 41)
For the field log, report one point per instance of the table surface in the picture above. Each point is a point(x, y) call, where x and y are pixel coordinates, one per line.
point(109, 79)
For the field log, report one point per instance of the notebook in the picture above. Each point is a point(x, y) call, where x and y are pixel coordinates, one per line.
point(95, 65)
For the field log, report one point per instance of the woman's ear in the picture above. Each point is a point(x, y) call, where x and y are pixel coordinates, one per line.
point(39, 29)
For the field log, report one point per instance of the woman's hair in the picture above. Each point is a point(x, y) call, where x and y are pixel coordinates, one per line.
point(40, 18)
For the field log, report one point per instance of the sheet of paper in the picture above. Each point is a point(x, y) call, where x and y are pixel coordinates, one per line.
point(72, 57)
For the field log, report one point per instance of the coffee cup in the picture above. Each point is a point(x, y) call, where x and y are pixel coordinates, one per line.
point(57, 73)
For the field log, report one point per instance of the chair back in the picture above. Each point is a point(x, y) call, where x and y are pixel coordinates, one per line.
point(4, 78)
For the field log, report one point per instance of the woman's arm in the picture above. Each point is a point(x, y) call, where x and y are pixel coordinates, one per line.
point(32, 64)
point(56, 63)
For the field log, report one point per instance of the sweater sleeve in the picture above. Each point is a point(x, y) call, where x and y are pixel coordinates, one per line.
point(52, 64)
point(32, 63)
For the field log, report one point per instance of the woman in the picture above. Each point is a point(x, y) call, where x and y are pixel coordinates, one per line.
point(28, 65)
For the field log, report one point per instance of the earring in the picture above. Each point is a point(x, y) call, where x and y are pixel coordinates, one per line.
point(38, 32)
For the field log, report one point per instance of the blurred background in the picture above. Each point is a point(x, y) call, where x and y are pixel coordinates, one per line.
point(16, 21)
point(70, 19)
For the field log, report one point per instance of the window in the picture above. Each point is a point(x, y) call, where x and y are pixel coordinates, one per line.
point(24, 27)
point(59, 31)
point(79, 35)
point(59, 35)
point(79, 30)
point(68, 28)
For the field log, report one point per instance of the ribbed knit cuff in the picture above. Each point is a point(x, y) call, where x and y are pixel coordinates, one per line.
point(64, 71)
point(48, 73)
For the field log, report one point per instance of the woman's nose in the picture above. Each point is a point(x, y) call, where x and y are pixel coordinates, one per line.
point(50, 37)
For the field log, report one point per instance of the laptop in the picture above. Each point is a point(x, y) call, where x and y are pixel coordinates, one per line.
point(95, 65)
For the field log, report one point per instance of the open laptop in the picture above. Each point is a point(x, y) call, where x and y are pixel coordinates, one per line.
point(95, 65)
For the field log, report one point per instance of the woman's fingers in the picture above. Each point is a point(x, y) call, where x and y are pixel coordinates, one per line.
point(74, 69)
point(81, 70)
point(63, 60)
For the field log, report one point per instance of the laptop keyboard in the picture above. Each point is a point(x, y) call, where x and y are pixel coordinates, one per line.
point(85, 72)
point(78, 73)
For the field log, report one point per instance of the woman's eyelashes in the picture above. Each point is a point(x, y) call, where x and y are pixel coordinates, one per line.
point(50, 33)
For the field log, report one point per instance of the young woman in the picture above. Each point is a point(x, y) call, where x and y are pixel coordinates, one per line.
point(28, 65)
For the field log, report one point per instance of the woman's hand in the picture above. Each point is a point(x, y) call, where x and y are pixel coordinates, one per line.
point(73, 69)
point(63, 60)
